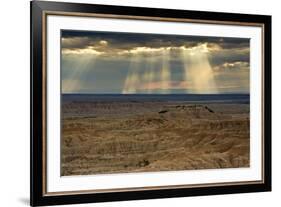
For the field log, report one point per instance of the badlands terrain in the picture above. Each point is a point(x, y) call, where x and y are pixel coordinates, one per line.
point(121, 137)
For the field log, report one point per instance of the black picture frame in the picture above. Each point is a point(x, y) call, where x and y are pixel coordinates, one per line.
point(38, 104)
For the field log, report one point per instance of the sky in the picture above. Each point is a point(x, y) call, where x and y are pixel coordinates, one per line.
point(133, 63)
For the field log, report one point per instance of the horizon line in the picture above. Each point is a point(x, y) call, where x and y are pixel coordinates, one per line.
point(242, 93)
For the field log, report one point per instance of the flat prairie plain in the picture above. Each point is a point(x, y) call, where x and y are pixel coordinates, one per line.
point(126, 137)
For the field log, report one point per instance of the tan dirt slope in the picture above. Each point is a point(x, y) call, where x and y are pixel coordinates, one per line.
point(143, 137)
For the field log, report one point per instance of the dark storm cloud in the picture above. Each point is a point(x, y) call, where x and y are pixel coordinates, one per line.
point(126, 41)
point(231, 55)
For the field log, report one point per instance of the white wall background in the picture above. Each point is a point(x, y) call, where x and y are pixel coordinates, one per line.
point(14, 102)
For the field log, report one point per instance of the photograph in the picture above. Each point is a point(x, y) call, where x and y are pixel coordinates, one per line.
point(131, 103)
point(143, 102)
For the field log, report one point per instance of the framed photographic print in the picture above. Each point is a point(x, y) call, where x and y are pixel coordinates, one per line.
point(139, 103)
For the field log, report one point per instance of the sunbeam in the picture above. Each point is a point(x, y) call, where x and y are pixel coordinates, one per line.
point(81, 68)
point(133, 75)
point(165, 71)
point(198, 71)
point(149, 75)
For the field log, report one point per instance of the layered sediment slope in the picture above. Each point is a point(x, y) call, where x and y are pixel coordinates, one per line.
point(142, 137)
